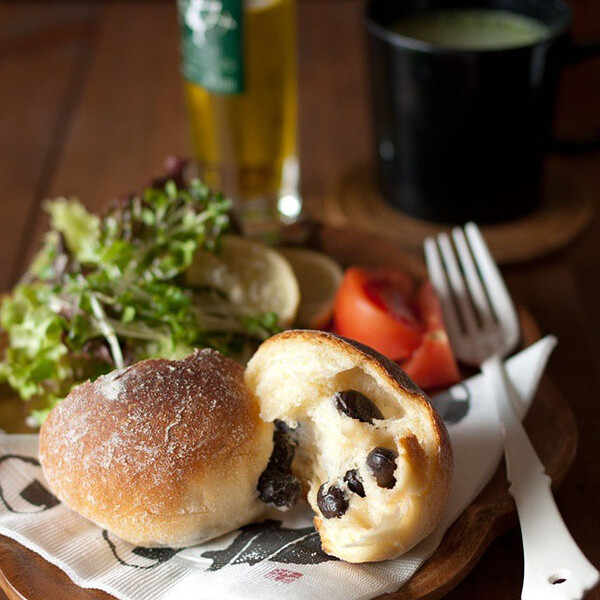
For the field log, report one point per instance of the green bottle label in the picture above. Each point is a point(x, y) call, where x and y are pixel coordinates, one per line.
point(212, 52)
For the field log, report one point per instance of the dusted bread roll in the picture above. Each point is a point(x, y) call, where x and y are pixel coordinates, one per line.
point(162, 453)
point(374, 455)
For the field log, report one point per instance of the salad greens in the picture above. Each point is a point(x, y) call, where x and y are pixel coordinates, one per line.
point(105, 292)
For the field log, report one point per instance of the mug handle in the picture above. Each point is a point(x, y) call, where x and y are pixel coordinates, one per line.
point(576, 52)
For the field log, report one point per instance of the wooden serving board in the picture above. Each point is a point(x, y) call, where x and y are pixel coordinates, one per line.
point(24, 575)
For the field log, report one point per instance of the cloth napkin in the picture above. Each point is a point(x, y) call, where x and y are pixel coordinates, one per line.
point(281, 555)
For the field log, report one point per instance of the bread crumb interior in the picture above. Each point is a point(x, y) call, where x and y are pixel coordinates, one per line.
point(330, 443)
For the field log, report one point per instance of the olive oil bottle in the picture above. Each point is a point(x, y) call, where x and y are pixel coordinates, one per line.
point(240, 74)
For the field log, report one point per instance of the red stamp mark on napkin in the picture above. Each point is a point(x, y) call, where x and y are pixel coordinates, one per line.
point(283, 575)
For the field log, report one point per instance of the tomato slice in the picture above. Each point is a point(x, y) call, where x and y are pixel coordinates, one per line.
point(432, 364)
point(375, 307)
point(372, 307)
point(391, 289)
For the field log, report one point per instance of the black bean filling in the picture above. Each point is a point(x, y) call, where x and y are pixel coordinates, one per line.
point(277, 486)
point(382, 464)
point(278, 489)
point(284, 448)
point(357, 406)
point(354, 483)
point(332, 502)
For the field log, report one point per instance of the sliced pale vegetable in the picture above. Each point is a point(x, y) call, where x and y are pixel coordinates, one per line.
point(319, 277)
point(254, 277)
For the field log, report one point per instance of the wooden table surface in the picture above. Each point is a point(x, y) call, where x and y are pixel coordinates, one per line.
point(91, 102)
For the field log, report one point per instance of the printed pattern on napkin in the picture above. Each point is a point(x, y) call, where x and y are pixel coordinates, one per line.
point(261, 560)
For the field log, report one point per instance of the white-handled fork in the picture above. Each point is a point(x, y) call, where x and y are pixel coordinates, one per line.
point(483, 328)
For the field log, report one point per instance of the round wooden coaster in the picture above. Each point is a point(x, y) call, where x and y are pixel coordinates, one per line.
point(564, 212)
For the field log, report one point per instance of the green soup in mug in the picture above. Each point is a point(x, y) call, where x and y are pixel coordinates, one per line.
point(472, 28)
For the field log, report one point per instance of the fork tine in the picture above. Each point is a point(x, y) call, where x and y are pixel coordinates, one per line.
point(474, 284)
point(458, 284)
point(493, 281)
point(442, 288)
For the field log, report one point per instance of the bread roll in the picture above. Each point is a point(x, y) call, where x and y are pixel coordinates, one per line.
point(374, 455)
point(162, 453)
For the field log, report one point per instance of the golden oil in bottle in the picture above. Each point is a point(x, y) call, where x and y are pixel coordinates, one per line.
point(240, 70)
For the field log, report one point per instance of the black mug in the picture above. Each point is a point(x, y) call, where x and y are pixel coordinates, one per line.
point(461, 134)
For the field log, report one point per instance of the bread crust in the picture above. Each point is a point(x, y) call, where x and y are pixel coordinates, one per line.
point(440, 467)
point(162, 452)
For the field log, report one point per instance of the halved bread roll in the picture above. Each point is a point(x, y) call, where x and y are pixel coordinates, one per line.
point(373, 454)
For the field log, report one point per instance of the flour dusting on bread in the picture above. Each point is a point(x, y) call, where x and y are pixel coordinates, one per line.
point(140, 449)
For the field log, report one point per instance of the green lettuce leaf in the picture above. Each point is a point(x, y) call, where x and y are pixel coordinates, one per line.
point(81, 229)
point(104, 292)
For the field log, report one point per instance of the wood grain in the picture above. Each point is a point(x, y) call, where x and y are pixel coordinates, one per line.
point(130, 115)
point(35, 39)
point(335, 122)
